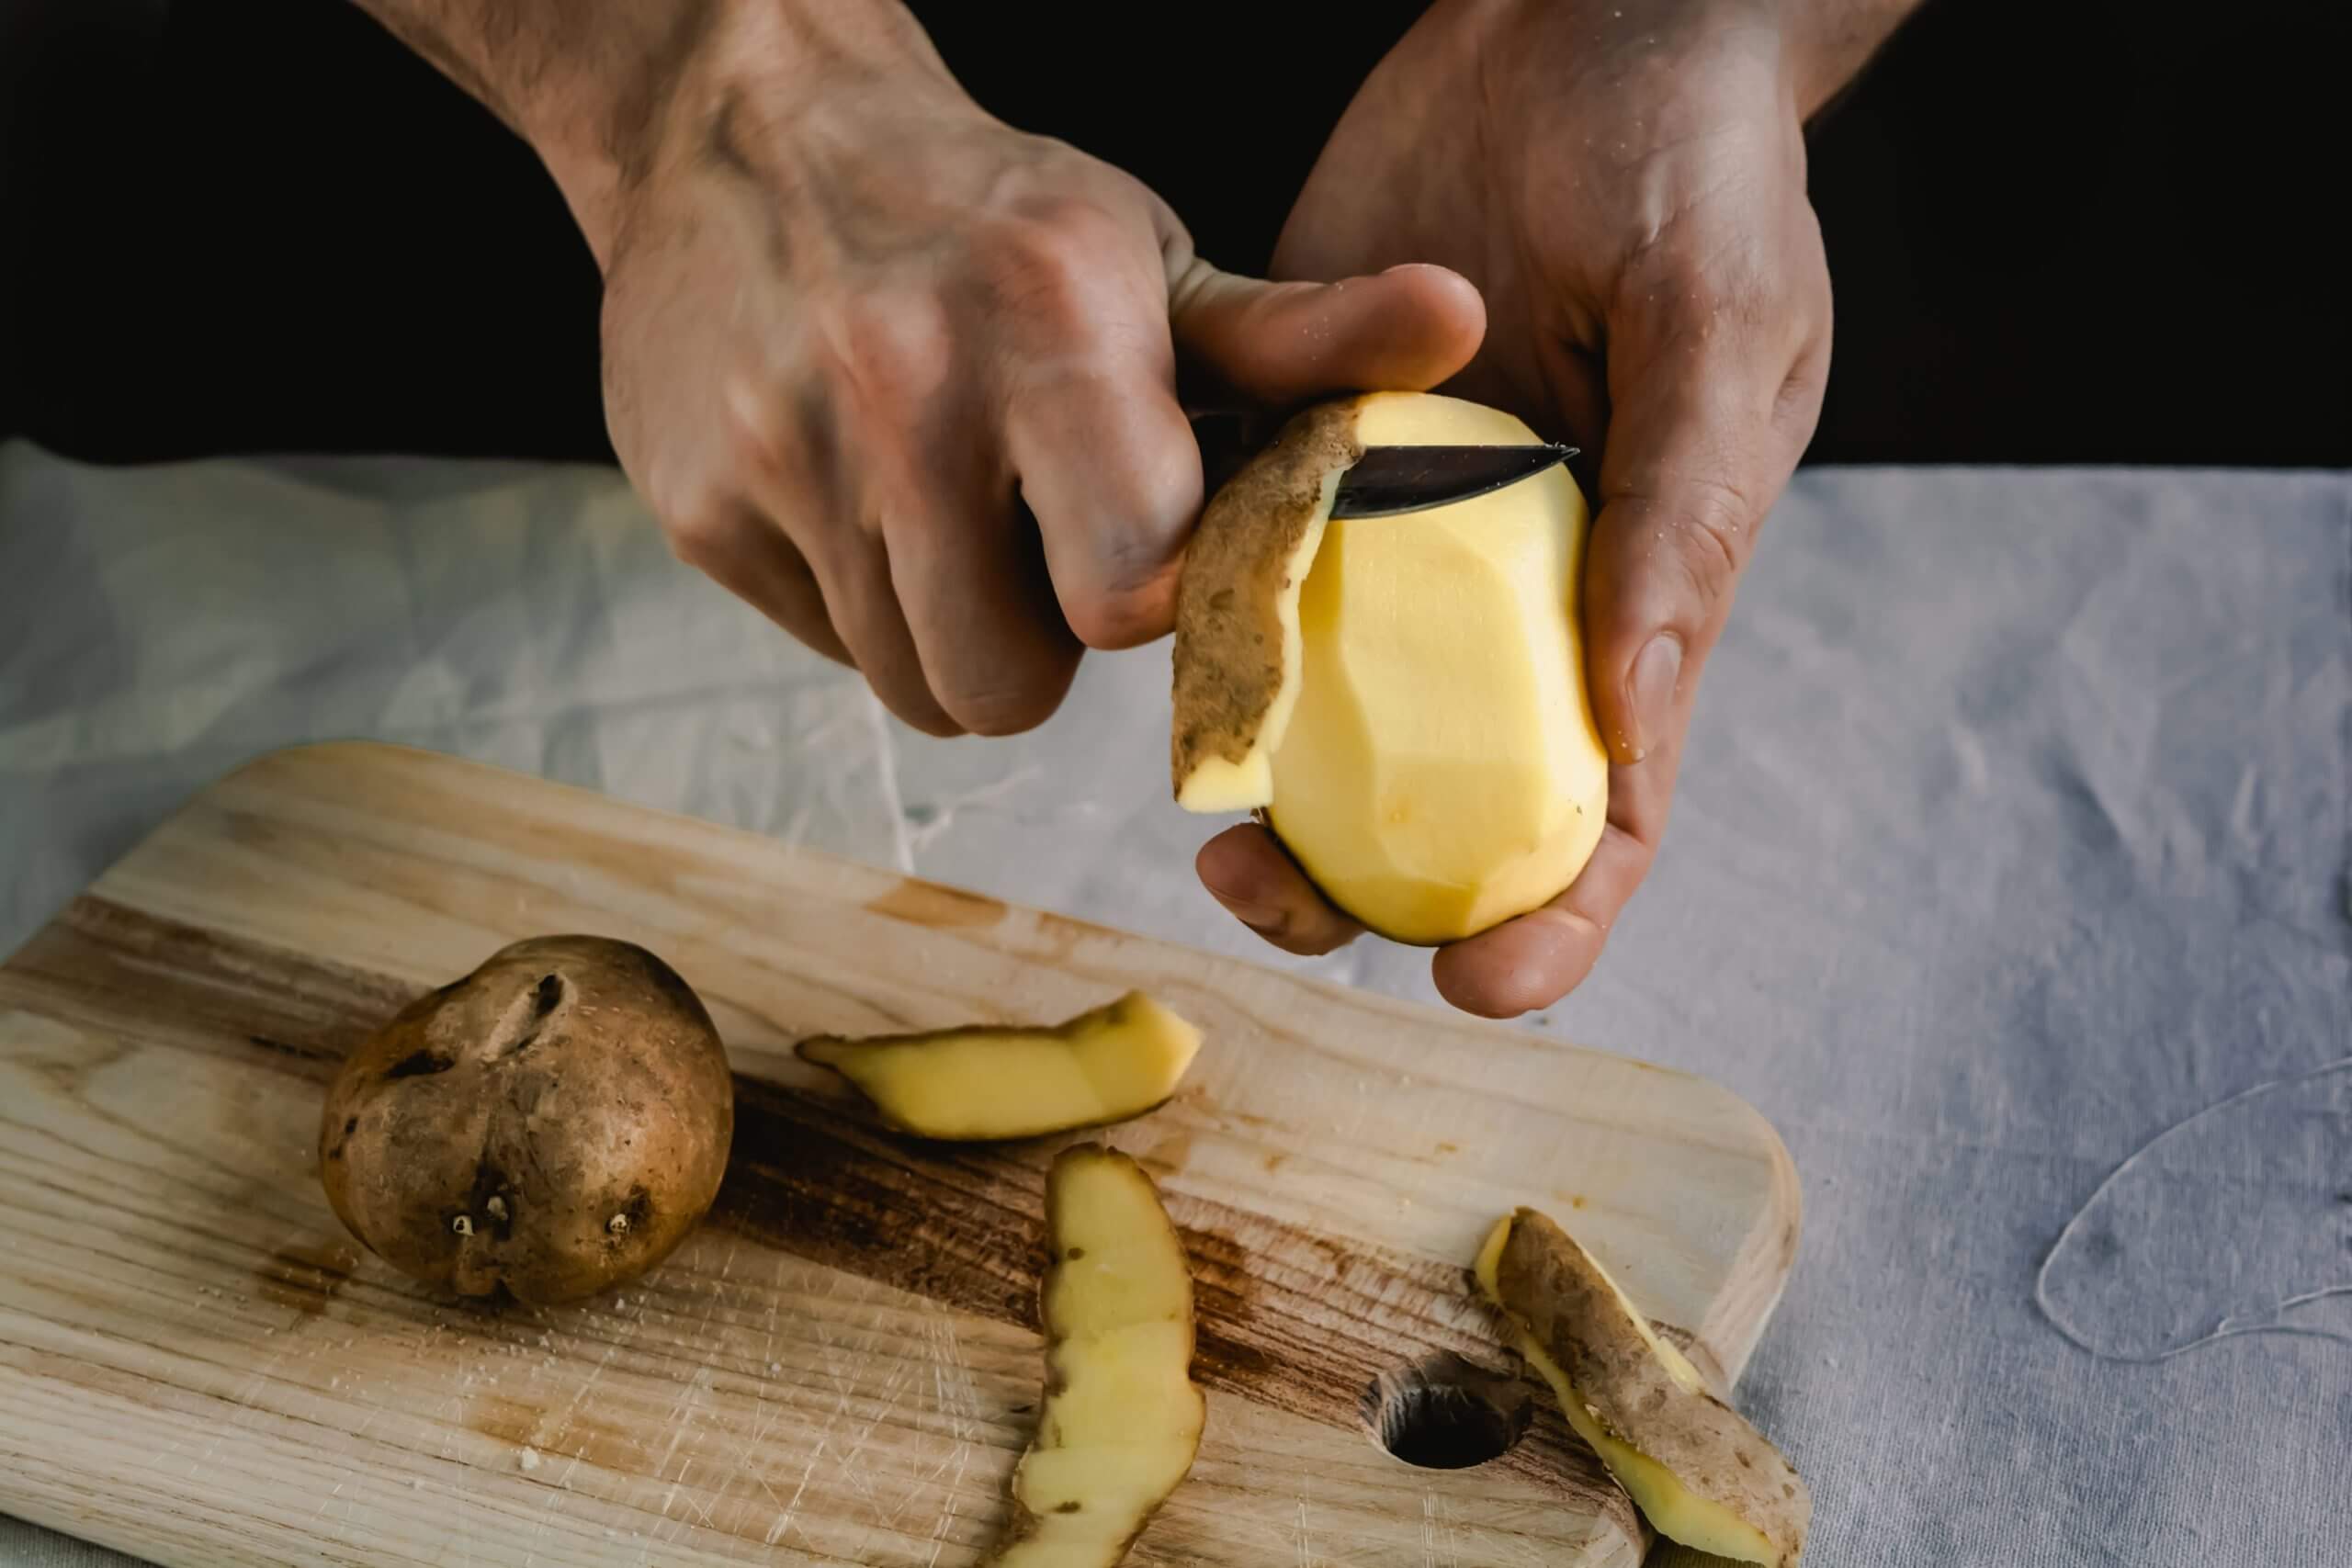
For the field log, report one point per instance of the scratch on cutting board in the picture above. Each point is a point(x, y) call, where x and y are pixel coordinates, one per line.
point(791, 1514)
point(680, 1417)
point(703, 1512)
point(465, 1539)
point(1437, 1534)
point(243, 1400)
point(755, 1447)
point(579, 1395)
point(951, 1382)
point(353, 1524)
point(893, 1387)
point(846, 1389)
point(765, 1413)
point(763, 1481)
point(770, 1366)
point(531, 1553)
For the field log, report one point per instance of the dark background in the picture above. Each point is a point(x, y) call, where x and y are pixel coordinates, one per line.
point(2061, 230)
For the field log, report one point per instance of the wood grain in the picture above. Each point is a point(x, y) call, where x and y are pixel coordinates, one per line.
point(198, 1365)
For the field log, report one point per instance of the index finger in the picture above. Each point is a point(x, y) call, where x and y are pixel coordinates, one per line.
point(1108, 465)
point(1113, 468)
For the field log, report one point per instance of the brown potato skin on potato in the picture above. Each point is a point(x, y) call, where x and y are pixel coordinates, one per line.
point(552, 1124)
point(1228, 647)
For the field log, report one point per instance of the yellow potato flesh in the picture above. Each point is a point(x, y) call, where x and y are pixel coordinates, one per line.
point(1672, 1509)
point(1122, 1418)
point(1441, 771)
point(989, 1082)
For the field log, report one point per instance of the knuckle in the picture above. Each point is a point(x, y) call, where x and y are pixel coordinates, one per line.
point(1695, 270)
point(1111, 471)
point(1060, 231)
point(917, 713)
point(1703, 295)
point(998, 709)
point(1122, 618)
point(1317, 935)
point(1130, 589)
point(1039, 264)
point(756, 428)
point(696, 519)
point(897, 345)
point(926, 719)
point(1796, 402)
point(1710, 538)
point(912, 704)
point(891, 668)
point(1152, 491)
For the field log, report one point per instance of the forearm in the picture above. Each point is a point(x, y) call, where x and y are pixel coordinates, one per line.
point(593, 84)
point(1834, 39)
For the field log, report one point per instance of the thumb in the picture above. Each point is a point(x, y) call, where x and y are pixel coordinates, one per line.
point(1244, 343)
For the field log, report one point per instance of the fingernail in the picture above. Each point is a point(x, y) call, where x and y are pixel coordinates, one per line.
point(1656, 670)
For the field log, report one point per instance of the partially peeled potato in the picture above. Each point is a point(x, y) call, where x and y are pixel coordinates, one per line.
point(1400, 699)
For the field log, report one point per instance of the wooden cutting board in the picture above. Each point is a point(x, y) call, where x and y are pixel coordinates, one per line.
point(198, 1365)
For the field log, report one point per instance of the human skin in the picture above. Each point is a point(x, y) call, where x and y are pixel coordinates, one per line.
point(1624, 182)
point(911, 382)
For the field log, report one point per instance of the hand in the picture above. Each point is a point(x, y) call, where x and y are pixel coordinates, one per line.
point(1624, 182)
point(907, 380)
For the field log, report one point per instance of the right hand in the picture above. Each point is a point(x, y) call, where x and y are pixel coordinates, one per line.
point(906, 378)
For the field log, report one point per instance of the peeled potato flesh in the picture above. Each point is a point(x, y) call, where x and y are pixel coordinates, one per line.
point(987, 1081)
point(1122, 1417)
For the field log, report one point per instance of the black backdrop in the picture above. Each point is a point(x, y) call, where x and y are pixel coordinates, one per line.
point(2062, 231)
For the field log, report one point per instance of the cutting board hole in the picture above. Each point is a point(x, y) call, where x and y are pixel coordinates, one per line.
point(1444, 1413)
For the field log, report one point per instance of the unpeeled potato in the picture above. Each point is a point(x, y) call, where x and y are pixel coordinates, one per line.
point(552, 1124)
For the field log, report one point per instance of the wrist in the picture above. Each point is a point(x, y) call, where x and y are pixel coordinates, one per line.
point(592, 118)
point(691, 80)
point(1821, 44)
point(1829, 41)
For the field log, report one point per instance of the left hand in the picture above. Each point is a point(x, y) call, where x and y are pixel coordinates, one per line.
point(1624, 180)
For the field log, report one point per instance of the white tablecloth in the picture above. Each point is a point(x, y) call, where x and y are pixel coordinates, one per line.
point(2014, 832)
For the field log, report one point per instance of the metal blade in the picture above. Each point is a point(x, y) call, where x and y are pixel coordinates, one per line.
point(1389, 481)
